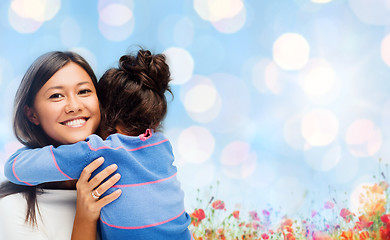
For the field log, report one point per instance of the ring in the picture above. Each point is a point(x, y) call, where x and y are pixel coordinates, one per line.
point(95, 194)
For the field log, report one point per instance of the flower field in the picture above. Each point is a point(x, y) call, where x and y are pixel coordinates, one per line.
point(370, 221)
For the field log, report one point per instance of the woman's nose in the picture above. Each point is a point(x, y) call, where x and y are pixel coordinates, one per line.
point(73, 105)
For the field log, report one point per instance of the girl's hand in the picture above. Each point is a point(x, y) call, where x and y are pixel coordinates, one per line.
point(88, 207)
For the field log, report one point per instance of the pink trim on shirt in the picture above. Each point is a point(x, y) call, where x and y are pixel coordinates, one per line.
point(55, 163)
point(145, 136)
point(144, 226)
point(130, 150)
point(13, 170)
point(144, 183)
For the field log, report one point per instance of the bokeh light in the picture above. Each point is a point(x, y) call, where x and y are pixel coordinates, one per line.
point(238, 160)
point(376, 12)
point(27, 16)
point(201, 99)
point(216, 10)
point(181, 64)
point(227, 16)
point(363, 199)
point(321, 1)
point(317, 78)
point(116, 20)
point(195, 144)
point(355, 197)
point(363, 138)
point(385, 50)
point(115, 14)
point(319, 127)
point(231, 25)
point(267, 76)
point(291, 51)
point(37, 10)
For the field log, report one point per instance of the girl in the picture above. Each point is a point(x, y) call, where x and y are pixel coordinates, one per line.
point(133, 103)
point(58, 87)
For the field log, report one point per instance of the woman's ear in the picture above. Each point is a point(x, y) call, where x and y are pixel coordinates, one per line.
point(31, 115)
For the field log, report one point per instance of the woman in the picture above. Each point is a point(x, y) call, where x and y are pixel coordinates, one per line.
point(56, 103)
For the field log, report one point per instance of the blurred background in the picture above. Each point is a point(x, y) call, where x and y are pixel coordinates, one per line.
point(278, 104)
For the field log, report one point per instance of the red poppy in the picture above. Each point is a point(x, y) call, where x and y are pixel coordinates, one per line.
point(290, 236)
point(364, 235)
point(197, 216)
point(346, 235)
point(264, 236)
point(346, 214)
point(363, 223)
point(386, 218)
point(385, 233)
point(218, 204)
point(236, 214)
point(287, 223)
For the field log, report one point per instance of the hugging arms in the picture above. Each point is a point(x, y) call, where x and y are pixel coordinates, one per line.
point(132, 113)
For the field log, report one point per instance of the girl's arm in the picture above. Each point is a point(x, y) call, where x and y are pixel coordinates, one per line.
point(34, 166)
point(88, 209)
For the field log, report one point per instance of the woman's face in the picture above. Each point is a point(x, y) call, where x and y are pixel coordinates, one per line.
point(66, 107)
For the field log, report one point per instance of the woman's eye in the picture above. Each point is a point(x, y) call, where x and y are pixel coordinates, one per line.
point(85, 91)
point(55, 95)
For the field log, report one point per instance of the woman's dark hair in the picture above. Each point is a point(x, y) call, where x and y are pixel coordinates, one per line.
point(28, 133)
point(132, 96)
point(36, 76)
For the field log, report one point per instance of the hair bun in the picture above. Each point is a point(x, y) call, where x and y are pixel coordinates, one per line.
point(149, 70)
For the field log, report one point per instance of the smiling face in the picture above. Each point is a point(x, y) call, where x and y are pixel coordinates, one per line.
point(66, 107)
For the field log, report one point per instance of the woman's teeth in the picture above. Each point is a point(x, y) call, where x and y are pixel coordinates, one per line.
point(75, 123)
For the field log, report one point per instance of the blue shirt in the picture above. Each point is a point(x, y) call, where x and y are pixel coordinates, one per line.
point(151, 205)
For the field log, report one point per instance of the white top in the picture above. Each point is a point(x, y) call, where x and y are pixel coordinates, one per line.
point(57, 210)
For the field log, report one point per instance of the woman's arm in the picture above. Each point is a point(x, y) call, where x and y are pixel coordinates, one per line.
point(88, 208)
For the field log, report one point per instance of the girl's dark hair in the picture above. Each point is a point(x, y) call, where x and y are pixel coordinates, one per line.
point(132, 96)
point(26, 132)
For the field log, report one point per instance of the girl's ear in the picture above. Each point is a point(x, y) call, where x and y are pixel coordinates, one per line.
point(31, 115)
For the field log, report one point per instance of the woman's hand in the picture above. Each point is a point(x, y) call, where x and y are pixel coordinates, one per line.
point(88, 202)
